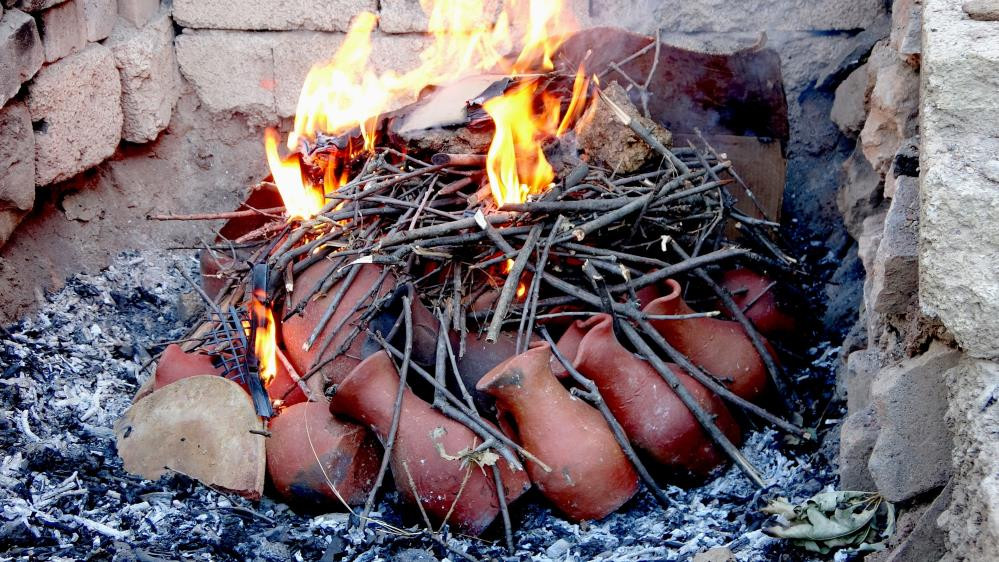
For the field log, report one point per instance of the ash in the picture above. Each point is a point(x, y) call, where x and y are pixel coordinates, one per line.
point(70, 370)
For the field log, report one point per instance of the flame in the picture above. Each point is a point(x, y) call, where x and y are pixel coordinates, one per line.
point(301, 200)
point(347, 93)
point(515, 164)
point(264, 341)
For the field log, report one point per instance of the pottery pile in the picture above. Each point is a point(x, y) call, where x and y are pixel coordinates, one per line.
point(325, 454)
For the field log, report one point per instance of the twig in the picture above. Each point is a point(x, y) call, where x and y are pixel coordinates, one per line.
point(510, 286)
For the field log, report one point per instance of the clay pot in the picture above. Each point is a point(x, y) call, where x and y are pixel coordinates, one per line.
point(296, 330)
point(309, 448)
point(176, 364)
point(720, 347)
point(367, 395)
point(481, 357)
point(590, 476)
point(283, 390)
point(651, 414)
point(263, 196)
point(568, 344)
point(748, 286)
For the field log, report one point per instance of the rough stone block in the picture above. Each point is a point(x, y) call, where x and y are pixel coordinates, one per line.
point(21, 52)
point(407, 16)
point(99, 16)
point(860, 194)
point(906, 28)
point(912, 453)
point(138, 12)
point(17, 167)
point(35, 5)
point(982, 10)
point(63, 29)
point(849, 110)
point(751, 15)
point(207, 58)
point(321, 15)
point(972, 516)
point(861, 366)
point(895, 272)
point(893, 110)
point(959, 214)
point(856, 440)
point(926, 541)
point(75, 105)
point(150, 79)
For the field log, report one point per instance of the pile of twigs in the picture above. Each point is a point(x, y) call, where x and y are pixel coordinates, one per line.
point(584, 246)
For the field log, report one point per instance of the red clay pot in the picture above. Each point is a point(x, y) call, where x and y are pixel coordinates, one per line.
point(176, 364)
point(481, 357)
point(309, 449)
point(263, 196)
point(651, 414)
point(720, 347)
point(296, 330)
point(748, 286)
point(590, 476)
point(568, 344)
point(367, 395)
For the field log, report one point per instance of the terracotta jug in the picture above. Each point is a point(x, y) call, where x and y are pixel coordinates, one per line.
point(367, 395)
point(175, 364)
point(481, 357)
point(309, 449)
point(263, 196)
point(655, 419)
point(720, 347)
point(590, 476)
point(296, 330)
point(748, 286)
point(568, 344)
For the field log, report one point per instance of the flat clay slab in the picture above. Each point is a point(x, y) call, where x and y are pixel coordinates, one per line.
point(199, 426)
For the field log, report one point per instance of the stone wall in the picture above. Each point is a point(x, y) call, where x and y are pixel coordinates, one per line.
point(76, 78)
point(920, 195)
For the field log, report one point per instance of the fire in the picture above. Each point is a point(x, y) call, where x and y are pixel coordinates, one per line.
point(264, 341)
point(347, 93)
point(301, 200)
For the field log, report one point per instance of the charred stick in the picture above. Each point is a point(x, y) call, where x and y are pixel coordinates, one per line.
point(593, 395)
point(606, 219)
point(334, 303)
point(468, 412)
point(712, 384)
point(510, 286)
point(438, 230)
point(397, 411)
point(459, 160)
point(776, 376)
point(623, 256)
point(273, 212)
point(706, 420)
point(490, 230)
point(531, 305)
point(504, 511)
point(682, 267)
point(765, 242)
point(456, 186)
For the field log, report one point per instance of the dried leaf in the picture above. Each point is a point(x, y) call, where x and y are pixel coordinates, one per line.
point(835, 520)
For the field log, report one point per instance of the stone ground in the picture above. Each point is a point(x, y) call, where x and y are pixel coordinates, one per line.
point(68, 371)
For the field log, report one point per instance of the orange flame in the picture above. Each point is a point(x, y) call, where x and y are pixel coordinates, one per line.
point(301, 200)
point(515, 164)
point(346, 92)
point(264, 341)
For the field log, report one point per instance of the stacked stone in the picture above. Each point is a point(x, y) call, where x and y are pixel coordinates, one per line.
point(76, 78)
point(921, 194)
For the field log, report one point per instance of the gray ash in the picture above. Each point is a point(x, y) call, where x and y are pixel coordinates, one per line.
point(69, 370)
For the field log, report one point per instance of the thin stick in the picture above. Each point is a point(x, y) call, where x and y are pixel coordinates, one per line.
point(510, 286)
point(785, 394)
point(273, 212)
point(504, 510)
point(397, 411)
point(706, 420)
point(593, 395)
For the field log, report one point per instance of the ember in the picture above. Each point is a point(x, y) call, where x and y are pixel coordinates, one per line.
point(409, 286)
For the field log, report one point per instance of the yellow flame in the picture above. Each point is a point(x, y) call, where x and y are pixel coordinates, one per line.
point(301, 200)
point(265, 341)
point(346, 92)
point(515, 164)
